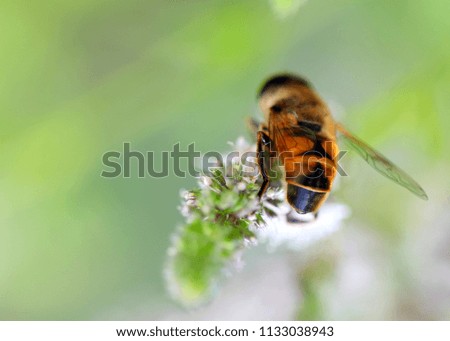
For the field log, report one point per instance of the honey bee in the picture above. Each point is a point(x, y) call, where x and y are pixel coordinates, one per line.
point(299, 134)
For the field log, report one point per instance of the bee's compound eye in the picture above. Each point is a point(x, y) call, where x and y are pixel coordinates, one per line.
point(276, 108)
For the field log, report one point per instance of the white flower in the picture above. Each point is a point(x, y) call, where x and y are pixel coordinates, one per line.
point(205, 181)
point(280, 231)
point(242, 145)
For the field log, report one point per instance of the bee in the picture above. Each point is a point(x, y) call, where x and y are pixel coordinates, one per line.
point(299, 134)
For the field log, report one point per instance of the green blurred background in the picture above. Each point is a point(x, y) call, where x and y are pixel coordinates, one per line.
point(79, 78)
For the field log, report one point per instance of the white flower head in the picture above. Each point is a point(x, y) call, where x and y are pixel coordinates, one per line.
point(241, 145)
point(296, 232)
point(224, 216)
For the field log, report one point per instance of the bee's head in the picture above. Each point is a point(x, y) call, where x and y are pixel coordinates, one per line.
point(281, 81)
point(279, 88)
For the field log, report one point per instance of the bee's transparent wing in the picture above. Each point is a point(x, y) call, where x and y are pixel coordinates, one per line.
point(382, 164)
point(252, 124)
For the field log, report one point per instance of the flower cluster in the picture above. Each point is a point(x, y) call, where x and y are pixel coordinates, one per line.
point(223, 216)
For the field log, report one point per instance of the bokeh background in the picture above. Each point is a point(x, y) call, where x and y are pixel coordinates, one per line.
point(80, 78)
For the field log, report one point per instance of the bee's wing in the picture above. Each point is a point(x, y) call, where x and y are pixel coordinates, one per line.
point(286, 137)
point(382, 164)
point(252, 124)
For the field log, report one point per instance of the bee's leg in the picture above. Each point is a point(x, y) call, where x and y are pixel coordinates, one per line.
point(316, 214)
point(262, 145)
